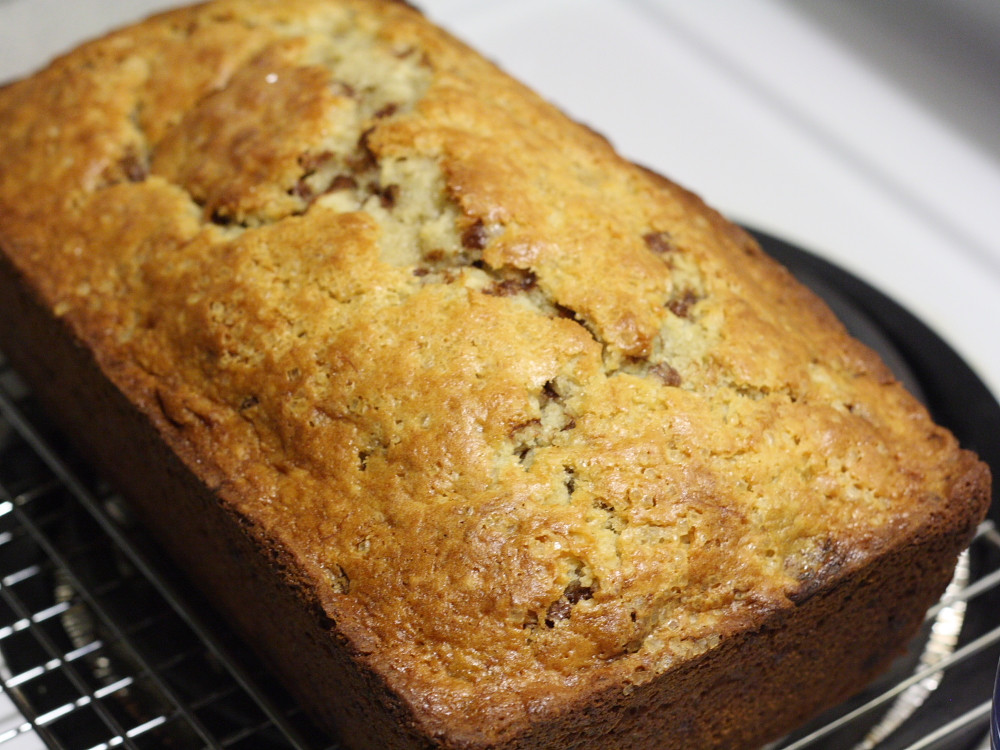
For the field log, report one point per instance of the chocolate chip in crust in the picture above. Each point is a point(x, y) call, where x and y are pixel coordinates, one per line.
point(666, 374)
point(661, 243)
point(474, 238)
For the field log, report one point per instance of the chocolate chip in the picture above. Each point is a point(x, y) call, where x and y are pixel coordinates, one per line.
point(364, 159)
point(564, 312)
point(387, 195)
point(303, 190)
point(682, 305)
point(575, 592)
point(311, 162)
point(667, 374)
point(474, 238)
point(509, 287)
point(560, 609)
point(220, 215)
point(387, 111)
point(134, 167)
point(660, 243)
point(342, 182)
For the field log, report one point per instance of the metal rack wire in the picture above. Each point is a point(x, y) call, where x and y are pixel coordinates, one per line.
point(104, 647)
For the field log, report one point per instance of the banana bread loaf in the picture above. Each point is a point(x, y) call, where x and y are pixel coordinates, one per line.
point(483, 436)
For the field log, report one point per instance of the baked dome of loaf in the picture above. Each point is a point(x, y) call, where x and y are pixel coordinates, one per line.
point(525, 419)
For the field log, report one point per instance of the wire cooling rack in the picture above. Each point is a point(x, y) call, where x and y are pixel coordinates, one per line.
point(103, 646)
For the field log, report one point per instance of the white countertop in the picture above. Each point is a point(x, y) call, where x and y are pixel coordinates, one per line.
point(866, 132)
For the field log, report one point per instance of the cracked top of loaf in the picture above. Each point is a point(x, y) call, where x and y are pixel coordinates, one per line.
point(530, 418)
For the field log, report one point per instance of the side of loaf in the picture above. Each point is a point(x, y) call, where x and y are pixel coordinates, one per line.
point(482, 436)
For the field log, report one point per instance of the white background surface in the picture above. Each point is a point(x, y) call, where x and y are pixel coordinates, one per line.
point(867, 132)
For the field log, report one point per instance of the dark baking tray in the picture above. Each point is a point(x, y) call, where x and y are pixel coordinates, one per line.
point(215, 694)
point(995, 716)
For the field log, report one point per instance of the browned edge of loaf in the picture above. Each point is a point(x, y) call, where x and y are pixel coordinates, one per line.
point(745, 692)
point(245, 575)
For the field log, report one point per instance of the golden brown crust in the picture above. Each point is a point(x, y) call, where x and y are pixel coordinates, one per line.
point(532, 426)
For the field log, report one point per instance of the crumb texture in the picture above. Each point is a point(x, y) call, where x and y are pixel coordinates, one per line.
point(531, 417)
